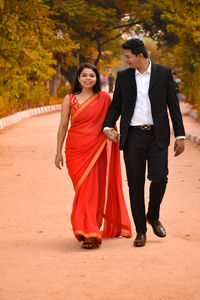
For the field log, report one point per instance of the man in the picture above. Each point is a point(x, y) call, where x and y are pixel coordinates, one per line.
point(110, 82)
point(141, 97)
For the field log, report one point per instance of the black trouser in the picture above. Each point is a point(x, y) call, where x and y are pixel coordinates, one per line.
point(141, 147)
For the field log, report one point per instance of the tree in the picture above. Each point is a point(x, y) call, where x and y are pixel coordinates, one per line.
point(185, 16)
point(28, 41)
point(174, 25)
point(181, 18)
point(93, 25)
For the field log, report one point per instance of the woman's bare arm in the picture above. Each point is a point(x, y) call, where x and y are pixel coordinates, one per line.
point(62, 130)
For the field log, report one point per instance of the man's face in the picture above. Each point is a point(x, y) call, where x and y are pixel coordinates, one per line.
point(132, 60)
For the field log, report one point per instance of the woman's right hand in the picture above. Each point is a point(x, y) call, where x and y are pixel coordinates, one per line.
point(59, 161)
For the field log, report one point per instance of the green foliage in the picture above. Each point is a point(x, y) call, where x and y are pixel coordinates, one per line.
point(36, 95)
point(45, 39)
point(29, 41)
point(63, 90)
point(174, 25)
point(154, 52)
point(94, 24)
point(22, 55)
point(183, 22)
point(1, 4)
point(6, 106)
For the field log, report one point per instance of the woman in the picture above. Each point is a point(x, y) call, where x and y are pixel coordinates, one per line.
point(93, 162)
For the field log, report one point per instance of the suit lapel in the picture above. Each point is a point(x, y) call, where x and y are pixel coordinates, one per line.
point(154, 74)
point(132, 86)
point(131, 78)
point(153, 78)
point(132, 90)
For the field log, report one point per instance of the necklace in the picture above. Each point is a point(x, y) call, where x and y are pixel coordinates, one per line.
point(82, 99)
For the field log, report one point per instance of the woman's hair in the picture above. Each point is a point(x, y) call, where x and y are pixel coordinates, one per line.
point(77, 87)
point(136, 46)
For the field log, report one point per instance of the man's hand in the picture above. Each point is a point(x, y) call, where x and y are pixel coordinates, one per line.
point(179, 146)
point(112, 135)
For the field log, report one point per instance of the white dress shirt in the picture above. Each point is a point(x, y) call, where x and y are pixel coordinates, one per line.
point(142, 113)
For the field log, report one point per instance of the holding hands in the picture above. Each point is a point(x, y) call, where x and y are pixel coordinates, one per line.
point(112, 135)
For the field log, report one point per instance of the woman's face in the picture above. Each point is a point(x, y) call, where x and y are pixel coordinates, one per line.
point(87, 78)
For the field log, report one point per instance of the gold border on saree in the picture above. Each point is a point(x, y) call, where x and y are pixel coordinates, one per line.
point(82, 106)
point(90, 166)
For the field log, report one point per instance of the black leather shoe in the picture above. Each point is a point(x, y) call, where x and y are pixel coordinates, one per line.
point(140, 240)
point(158, 228)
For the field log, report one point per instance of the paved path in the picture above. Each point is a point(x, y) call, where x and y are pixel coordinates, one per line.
point(40, 259)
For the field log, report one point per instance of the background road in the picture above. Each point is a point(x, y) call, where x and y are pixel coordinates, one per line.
point(40, 258)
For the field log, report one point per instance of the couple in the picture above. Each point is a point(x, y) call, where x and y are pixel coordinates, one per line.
point(141, 97)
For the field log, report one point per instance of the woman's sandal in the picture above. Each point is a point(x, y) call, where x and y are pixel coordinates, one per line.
point(94, 243)
point(90, 244)
point(87, 243)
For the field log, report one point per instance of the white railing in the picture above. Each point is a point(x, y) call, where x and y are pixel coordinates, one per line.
point(15, 118)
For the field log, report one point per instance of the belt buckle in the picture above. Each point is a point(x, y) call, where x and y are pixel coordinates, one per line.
point(145, 127)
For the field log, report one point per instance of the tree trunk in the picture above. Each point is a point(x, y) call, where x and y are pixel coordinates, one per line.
point(69, 73)
point(55, 79)
point(99, 53)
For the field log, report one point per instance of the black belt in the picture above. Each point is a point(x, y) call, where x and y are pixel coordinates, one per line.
point(143, 127)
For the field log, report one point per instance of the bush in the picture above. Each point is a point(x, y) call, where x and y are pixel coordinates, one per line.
point(54, 100)
point(8, 105)
point(35, 96)
point(63, 90)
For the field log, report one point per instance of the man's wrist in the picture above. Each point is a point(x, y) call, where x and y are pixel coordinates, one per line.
point(106, 128)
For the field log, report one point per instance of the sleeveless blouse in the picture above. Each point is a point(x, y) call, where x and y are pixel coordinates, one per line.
point(73, 103)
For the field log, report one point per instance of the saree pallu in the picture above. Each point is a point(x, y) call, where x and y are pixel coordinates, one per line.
point(93, 163)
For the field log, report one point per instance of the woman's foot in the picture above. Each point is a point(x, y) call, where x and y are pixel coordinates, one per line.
point(95, 243)
point(87, 243)
point(90, 243)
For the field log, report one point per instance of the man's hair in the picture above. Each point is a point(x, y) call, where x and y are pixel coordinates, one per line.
point(136, 46)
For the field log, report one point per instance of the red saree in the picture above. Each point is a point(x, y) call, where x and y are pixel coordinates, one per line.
point(94, 166)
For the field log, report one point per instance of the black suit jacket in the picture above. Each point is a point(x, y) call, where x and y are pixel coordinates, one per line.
point(162, 94)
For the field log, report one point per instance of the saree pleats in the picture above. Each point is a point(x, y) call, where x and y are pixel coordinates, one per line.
point(116, 216)
point(94, 166)
point(87, 214)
